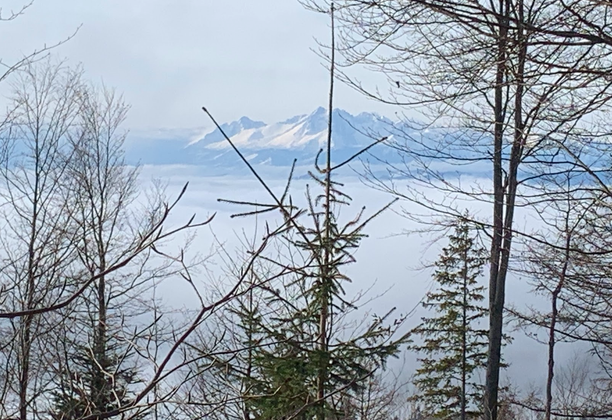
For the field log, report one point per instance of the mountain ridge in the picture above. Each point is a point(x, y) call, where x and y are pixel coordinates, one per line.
point(296, 132)
point(278, 144)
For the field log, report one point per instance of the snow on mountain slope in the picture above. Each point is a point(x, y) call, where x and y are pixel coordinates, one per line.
point(275, 146)
point(271, 145)
point(243, 125)
point(298, 132)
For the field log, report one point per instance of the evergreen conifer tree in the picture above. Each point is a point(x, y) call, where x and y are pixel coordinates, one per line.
point(454, 345)
point(303, 357)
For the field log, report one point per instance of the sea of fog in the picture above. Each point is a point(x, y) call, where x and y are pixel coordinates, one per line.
point(393, 268)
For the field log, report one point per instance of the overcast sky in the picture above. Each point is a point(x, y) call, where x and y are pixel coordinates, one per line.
point(169, 58)
point(237, 57)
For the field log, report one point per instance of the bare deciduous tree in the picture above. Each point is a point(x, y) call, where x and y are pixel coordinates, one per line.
point(80, 260)
point(37, 239)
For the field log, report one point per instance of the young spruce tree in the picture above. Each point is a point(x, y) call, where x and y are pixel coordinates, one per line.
point(306, 360)
point(453, 347)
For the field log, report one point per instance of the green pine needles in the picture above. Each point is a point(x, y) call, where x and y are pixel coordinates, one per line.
point(306, 360)
point(454, 340)
point(306, 357)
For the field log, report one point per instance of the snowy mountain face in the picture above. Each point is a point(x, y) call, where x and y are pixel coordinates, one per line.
point(299, 134)
point(277, 144)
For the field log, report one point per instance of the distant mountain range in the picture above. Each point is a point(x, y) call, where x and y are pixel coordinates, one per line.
point(277, 144)
point(453, 152)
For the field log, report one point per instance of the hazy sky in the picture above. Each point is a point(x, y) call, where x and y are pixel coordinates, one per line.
point(237, 57)
point(171, 57)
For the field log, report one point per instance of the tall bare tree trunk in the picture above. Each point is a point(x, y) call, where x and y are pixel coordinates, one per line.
point(26, 333)
point(555, 312)
point(496, 295)
point(464, 326)
point(499, 271)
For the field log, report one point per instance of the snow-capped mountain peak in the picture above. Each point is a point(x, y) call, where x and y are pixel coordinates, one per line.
point(296, 133)
point(277, 144)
